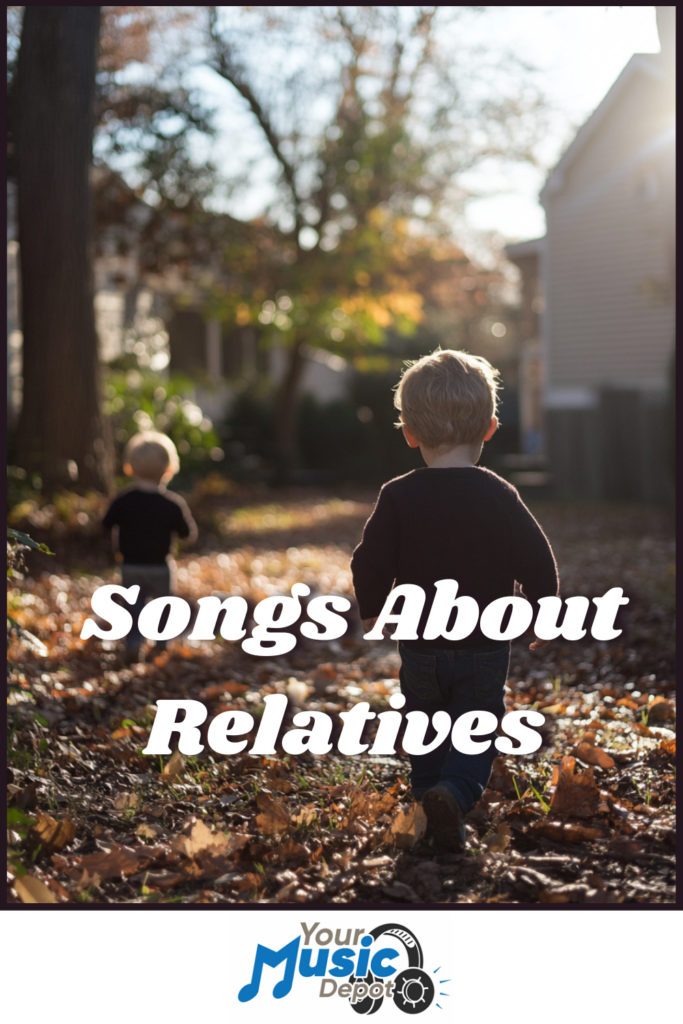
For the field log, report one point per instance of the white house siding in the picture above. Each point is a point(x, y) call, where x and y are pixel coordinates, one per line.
point(609, 269)
point(325, 375)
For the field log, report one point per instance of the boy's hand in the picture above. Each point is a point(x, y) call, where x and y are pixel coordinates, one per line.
point(538, 643)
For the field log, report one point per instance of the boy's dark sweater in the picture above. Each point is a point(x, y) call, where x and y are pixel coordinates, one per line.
point(147, 521)
point(465, 524)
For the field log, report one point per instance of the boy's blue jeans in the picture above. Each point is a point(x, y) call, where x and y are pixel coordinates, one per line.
point(154, 581)
point(437, 679)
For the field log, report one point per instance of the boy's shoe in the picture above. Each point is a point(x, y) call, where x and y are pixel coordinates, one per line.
point(445, 819)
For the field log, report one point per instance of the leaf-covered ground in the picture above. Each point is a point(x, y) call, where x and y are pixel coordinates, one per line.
point(589, 818)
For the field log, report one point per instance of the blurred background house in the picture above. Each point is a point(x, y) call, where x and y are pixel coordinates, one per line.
point(199, 300)
point(136, 310)
point(599, 295)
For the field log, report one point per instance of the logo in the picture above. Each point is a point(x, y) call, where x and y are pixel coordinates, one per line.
point(365, 969)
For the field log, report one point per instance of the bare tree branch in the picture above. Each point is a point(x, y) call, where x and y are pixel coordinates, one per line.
point(224, 65)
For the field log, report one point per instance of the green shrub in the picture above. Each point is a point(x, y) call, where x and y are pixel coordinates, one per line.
point(141, 400)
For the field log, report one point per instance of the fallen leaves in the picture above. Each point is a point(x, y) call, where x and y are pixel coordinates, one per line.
point(334, 830)
point(115, 862)
point(503, 780)
point(589, 754)
point(32, 890)
point(274, 817)
point(626, 849)
point(306, 816)
point(407, 828)
point(205, 854)
point(500, 840)
point(575, 794)
point(53, 835)
point(660, 710)
point(126, 801)
point(174, 766)
point(564, 832)
point(368, 805)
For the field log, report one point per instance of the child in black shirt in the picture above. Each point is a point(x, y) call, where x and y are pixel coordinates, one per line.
point(451, 521)
point(148, 518)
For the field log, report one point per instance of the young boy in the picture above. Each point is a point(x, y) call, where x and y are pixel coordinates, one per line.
point(148, 518)
point(452, 520)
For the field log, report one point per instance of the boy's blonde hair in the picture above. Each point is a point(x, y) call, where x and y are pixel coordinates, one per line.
point(151, 456)
point(448, 398)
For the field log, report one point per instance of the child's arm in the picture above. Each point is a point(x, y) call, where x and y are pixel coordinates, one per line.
point(375, 560)
point(184, 525)
point(534, 564)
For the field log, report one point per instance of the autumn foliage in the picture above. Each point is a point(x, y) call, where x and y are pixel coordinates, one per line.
point(589, 818)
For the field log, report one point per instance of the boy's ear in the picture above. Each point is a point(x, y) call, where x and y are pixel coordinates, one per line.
point(128, 469)
point(493, 427)
point(412, 441)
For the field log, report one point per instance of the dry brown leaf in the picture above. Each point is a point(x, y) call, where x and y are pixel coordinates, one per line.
point(281, 785)
point(126, 801)
point(593, 755)
point(500, 840)
point(175, 765)
point(274, 817)
point(53, 835)
point(660, 710)
point(407, 828)
point(291, 851)
point(249, 881)
point(366, 804)
point(114, 863)
point(32, 890)
point(563, 894)
point(626, 849)
point(196, 839)
point(564, 832)
point(238, 880)
point(305, 816)
point(147, 831)
point(206, 854)
point(502, 780)
point(552, 896)
point(576, 795)
point(668, 746)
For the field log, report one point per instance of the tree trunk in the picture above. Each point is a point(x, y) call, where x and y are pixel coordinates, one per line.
point(285, 415)
point(63, 433)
